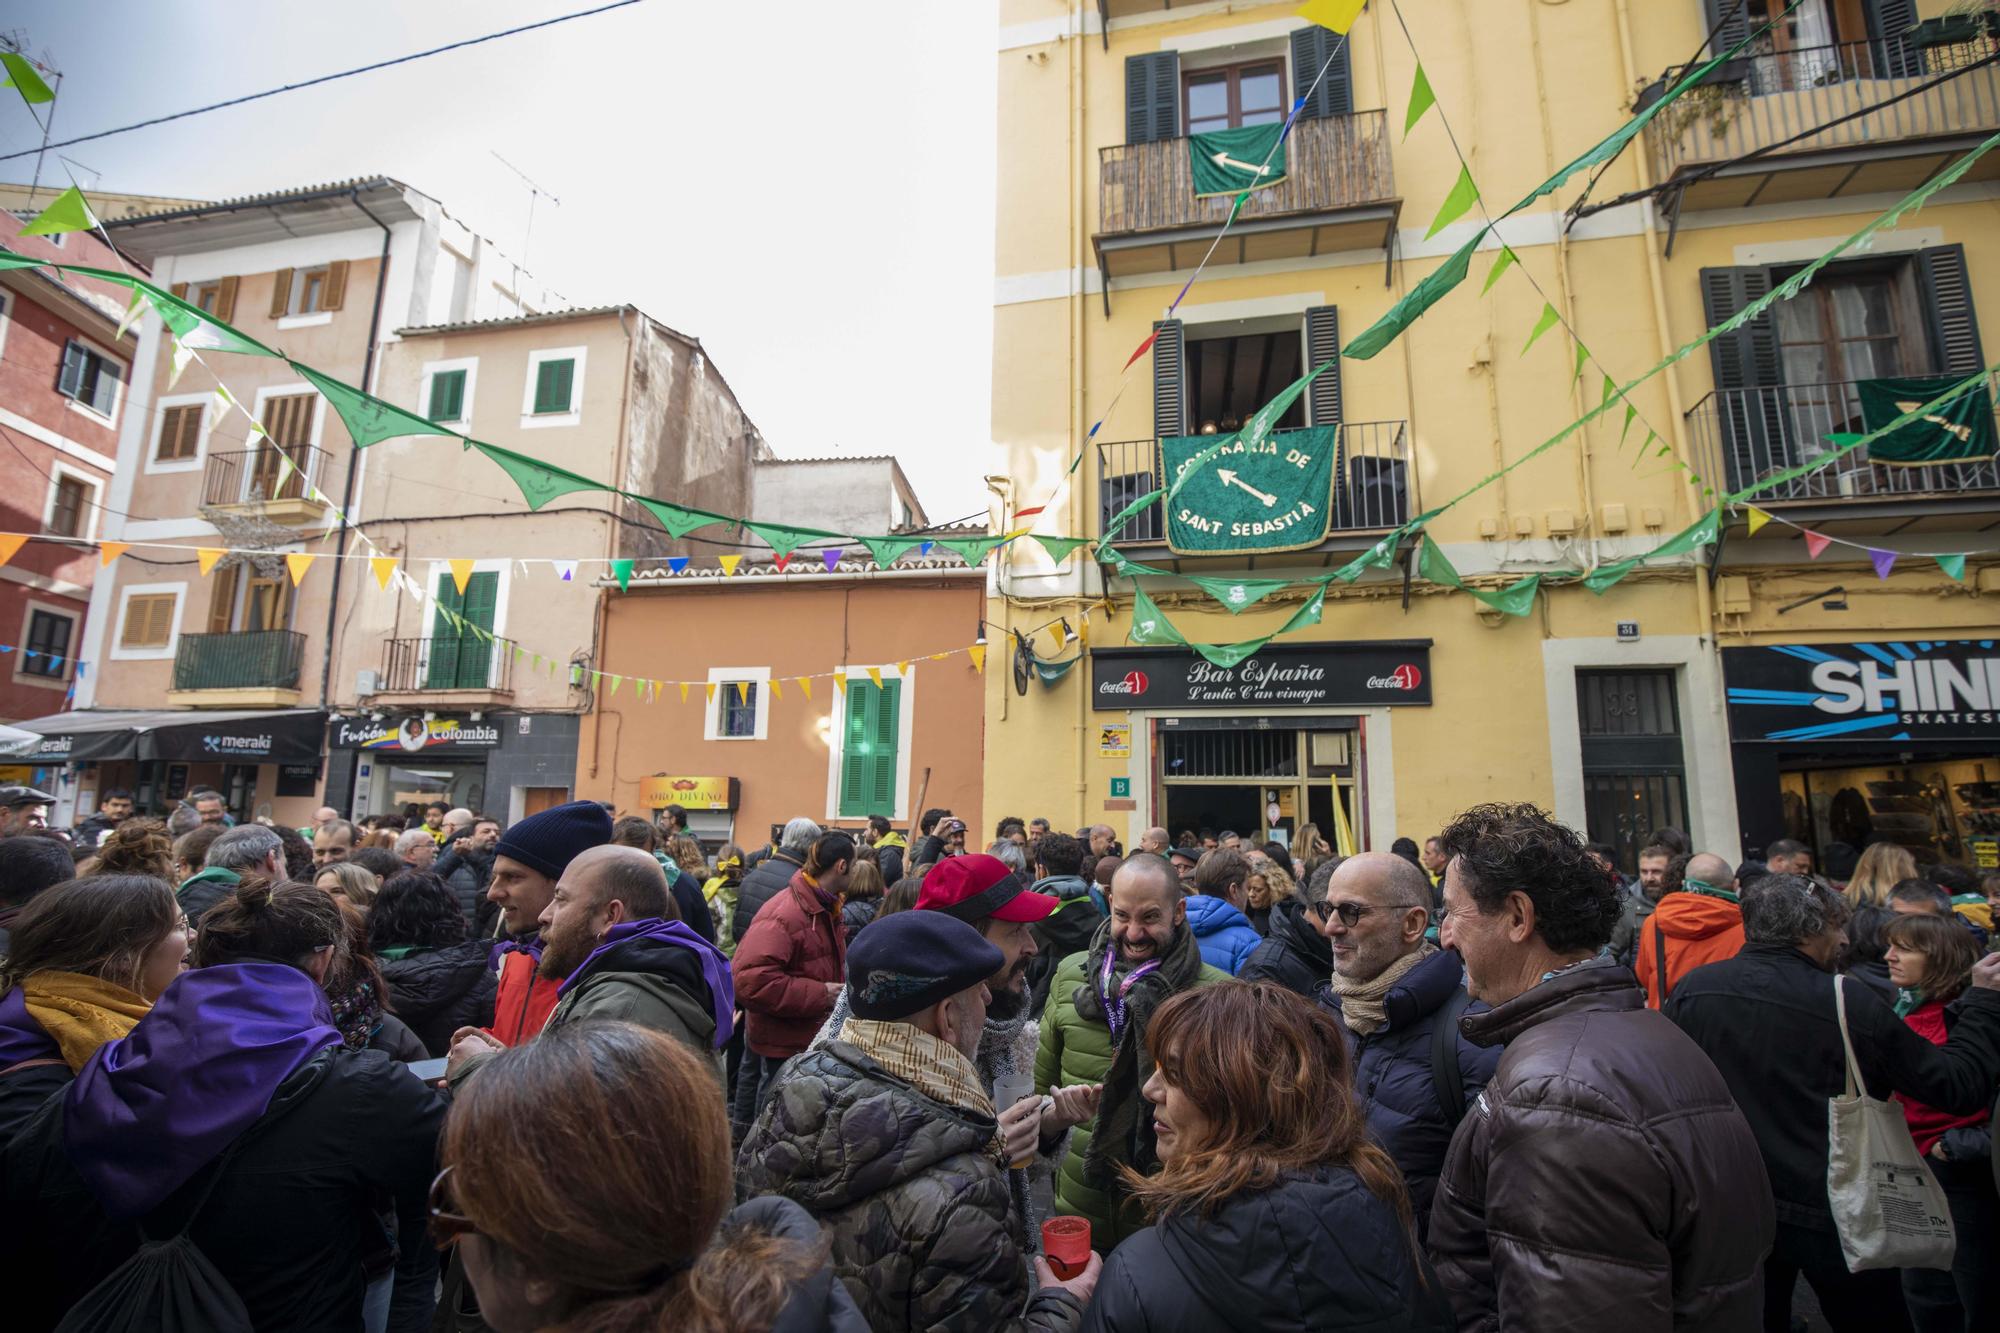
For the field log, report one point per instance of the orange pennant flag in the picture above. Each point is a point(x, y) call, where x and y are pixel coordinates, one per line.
point(729, 564)
point(875, 674)
point(977, 652)
point(840, 680)
point(806, 684)
point(385, 569)
point(206, 557)
point(298, 562)
point(461, 574)
point(10, 545)
point(111, 551)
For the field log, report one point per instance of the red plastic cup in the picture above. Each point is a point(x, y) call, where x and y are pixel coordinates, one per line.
point(1066, 1245)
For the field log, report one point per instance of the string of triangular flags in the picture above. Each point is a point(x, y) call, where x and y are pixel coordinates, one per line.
point(1883, 558)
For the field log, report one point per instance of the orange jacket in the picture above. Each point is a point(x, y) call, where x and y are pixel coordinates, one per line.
point(525, 1000)
point(1696, 929)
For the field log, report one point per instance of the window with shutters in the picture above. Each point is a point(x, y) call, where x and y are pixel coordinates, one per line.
point(1233, 96)
point(89, 378)
point(553, 382)
point(299, 293)
point(460, 657)
point(553, 395)
point(741, 707)
point(70, 504)
point(290, 422)
point(870, 736)
point(148, 620)
point(179, 438)
point(447, 396)
point(1229, 378)
point(48, 639)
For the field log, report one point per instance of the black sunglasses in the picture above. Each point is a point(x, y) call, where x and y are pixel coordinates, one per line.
point(1350, 913)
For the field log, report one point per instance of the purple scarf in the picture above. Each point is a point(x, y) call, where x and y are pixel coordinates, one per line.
point(530, 945)
point(152, 1108)
point(714, 965)
point(21, 1037)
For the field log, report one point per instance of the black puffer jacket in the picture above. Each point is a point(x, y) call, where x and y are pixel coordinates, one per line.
point(763, 882)
point(1294, 954)
point(439, 991)
point(819, 1303)
point(466, 872)
point(1067, 930)
point(1316, 1251)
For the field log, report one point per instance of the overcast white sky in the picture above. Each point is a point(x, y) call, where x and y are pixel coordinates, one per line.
point(806, 187)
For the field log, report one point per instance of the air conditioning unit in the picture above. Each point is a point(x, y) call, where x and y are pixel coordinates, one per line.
point(367, 682)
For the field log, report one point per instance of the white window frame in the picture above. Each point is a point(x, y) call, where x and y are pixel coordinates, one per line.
point(724, 679)
point(58, 470)
point(432, 369)
point(206, 402)
point(293, 319)
point(59, 682)
point(125, 596)
point(573, 417)
point(256, 440)
point(836, 746)
point(123, 382)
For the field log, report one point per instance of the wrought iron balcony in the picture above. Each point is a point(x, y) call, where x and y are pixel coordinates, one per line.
point(257, 481)
point(1339, 193)
point(1827, 121)
point(437, 665)
point(1374, 484)
point(1743, 435)
point(245, 660)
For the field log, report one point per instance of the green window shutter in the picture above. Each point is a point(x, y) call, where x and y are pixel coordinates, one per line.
point(883, 745)
point(460, 660)
point(553, 380)
point(855, 768)
point(447, 395)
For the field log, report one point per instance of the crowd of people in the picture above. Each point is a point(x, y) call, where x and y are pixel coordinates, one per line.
point(587, 1072)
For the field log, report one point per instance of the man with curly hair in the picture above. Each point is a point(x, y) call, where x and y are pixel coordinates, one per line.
point(1604, 1177)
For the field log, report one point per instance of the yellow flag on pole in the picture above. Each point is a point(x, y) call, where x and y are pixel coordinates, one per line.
point(206, 557)
point(1343, 833)
point(298, 562)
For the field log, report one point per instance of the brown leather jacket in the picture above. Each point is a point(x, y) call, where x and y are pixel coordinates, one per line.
point(1604, 1179)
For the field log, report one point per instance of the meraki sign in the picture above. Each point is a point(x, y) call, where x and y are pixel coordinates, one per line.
point(1270, 496)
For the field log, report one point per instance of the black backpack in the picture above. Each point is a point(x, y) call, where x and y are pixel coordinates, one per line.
point(1445, 1080)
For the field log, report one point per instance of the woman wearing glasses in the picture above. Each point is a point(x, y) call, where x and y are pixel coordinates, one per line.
point(562, 1221)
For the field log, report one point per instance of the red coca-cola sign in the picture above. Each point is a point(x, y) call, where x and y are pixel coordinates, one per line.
point(1133, 684)
point(1343, 674)
point(1405, 677)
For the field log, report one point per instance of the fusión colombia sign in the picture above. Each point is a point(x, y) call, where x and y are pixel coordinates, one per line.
point(1272, 496)
point(1373, 674)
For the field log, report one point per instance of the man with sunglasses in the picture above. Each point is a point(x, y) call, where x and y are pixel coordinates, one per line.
point(1399, 997)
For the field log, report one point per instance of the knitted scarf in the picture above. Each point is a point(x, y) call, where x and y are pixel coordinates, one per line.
point(936, 1068)
point(1123, 1135)
point(80, 1012)
point(1363, 1004)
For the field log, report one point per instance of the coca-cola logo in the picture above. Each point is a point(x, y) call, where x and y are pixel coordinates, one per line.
point(1134, 682)
point(1404, 677)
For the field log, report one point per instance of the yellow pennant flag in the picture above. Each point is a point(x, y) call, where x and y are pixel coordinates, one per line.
point(1336, 14)
point(298, 562)
point(806, 684)
point(977, 652)
point(875, 674)
point(385, 569)
point(1758, 518)
point(10, 545)
point(461, 574)
point(939, 657)
point(710, 687)
point(729, 564)
point(1056, 637)
point(1083, 629)
point(840, 680)
point(777, 689)
point(902, 668)
point(111, 551)
point(684, 690)
point(743, 692)
point(206, 556)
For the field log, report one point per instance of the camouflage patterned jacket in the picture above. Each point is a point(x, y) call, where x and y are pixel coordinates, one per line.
point(916, 1210)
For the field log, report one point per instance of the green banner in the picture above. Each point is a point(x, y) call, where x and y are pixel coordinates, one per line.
point(1231, 161)
point(1956, 433)
point(1272, 496)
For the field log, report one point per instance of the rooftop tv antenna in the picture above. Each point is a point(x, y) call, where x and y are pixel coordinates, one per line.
point(535, 192)
point(14, 40)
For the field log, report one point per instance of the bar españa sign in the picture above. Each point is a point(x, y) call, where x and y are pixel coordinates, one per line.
point(1271, 496)
point(1370, 674)
point(1832, 692)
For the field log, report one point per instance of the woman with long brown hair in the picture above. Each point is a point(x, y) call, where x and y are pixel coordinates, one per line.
point(564, 1223)
point(1883, 865)
point(1271, 1207)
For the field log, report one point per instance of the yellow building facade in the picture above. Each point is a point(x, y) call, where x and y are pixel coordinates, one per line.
point(1670, 698)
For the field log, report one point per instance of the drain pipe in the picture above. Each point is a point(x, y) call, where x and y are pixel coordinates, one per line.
point(354, 455)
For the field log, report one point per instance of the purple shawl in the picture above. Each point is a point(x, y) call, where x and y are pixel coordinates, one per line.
point(152, 1108)
point(21, 1037)
point(714, 964)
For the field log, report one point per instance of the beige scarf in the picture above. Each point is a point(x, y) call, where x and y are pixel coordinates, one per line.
point(1361, 1006)
point(932, 1066)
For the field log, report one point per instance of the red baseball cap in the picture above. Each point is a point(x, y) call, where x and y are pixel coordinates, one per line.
point(978, 886)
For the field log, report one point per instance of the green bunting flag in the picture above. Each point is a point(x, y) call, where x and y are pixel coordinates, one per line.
point(1464, 194)
point(190, 325)
point(68, 213)
point(1582, 356)
point(623, 570)
point(23, 76)
point(1150, 624)
point(1231, 161)
point(785, 540)
point(1631, 415)
point(539, 482)
point(1238, 594)
point(1516, 599)
point(1422, 99)
point(1060, 547)
point(1953, 567)
point(368, 419)
point(1427, 293)
point(1258, 427)
point(1500, 265)
point(972, 550)
point(886, 550)
point(1702, 533)
point(1548, 321)
point(1610, 391)
point(677, 520)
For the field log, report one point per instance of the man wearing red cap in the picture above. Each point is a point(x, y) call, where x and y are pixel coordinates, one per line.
point(982, 892)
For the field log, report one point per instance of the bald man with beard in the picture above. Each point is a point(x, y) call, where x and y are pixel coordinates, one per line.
point(1698, 921)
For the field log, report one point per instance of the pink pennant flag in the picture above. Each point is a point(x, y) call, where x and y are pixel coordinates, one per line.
point(1814, 542)
point(832, 558)
point(1884, 561)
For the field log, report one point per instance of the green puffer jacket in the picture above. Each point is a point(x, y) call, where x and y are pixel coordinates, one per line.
point(916, 1210)
point(1076, 1050)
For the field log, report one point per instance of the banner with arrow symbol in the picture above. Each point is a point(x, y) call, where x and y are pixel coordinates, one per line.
point(1271, 495)
point(1232, 161)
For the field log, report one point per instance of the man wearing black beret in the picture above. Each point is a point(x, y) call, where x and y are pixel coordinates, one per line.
point(888, 1138)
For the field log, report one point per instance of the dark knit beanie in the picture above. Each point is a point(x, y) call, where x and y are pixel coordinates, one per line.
point(547, 842)
point(906, 963)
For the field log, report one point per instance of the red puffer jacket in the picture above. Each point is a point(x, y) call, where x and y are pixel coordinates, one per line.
point(1927, 1123)
point(782, 964)
point(525, 1000)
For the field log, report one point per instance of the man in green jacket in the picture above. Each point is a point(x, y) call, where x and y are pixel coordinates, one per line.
point(1094, 1032)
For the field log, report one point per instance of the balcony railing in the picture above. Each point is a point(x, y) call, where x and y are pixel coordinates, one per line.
point(1817, 98)
point(246, 660)
point(1745, 435)
point(258, 476)
point(447, 663)
point(1374, 483)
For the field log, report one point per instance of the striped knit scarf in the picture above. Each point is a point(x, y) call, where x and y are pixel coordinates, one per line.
point(933, 1067)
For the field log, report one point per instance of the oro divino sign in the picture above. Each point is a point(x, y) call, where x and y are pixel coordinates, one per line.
point(1392, 673)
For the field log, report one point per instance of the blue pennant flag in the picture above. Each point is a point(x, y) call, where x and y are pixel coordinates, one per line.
point(677, 563)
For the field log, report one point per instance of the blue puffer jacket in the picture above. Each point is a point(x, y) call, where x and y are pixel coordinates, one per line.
point(1225, 935)
point(1393, 1079)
